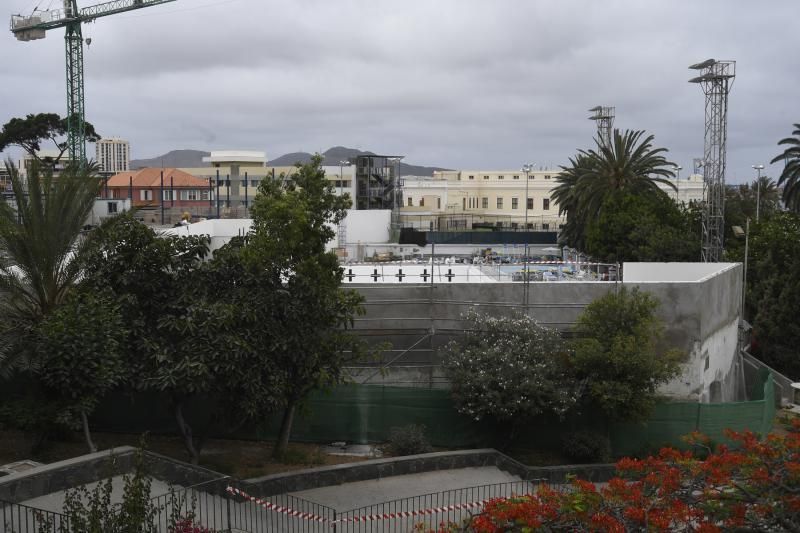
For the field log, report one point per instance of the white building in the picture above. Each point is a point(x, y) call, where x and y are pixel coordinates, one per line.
point(113, 155)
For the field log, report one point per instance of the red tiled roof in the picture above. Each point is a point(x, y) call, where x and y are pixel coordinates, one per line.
point(151, 177)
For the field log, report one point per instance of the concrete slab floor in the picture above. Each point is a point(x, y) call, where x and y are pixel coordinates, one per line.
point(362, 493)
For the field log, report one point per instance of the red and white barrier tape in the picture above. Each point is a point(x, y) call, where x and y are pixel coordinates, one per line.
point(277, 508)
point(366, 518)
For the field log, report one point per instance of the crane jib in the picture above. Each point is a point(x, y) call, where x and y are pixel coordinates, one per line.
point(71, 17)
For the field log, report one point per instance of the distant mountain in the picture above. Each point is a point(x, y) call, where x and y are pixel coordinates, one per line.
point(173, 159)
point(332, 156)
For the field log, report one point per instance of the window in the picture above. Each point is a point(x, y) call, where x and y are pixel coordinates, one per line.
point(463, 204)
point(515, 203)
point(422, 202)
point(472, 177)
point(547, 176)
point(244, 183)
point(516, 177)
point(545, 226)
point(254, 183)
point(499, 202)
point(500, 177)
point(207, 195)
point(486, 177)
point(112, 208)
point(168, 195)
point(485, 203)
point(531, 177)
point(438, 203)
point(410, 202)
point(530, 203)
point(546, 204)
point(145, 195)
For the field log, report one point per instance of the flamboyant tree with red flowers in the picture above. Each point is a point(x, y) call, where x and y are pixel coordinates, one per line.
point(750, 485)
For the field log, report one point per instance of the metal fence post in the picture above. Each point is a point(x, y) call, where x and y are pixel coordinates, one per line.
point(334, 521)
point(228, 500)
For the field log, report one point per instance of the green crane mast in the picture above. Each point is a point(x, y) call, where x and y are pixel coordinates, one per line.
point(71, 18)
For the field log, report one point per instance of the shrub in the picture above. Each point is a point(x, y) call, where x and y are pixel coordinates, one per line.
point(409, 440)
point(586, 447)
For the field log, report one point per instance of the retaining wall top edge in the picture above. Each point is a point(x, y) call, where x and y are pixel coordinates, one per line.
point(370, 463)
point(120, 451)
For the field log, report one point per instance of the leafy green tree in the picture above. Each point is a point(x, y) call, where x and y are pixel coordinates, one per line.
point(790, 177)
point(617, 354)
point(628, 164)
point(40, 241)
point(82, 356)
point(28, 133)
point(633, 227)
point(177, 340)
point(510, 370)
point(293, 220)
point(772, 303)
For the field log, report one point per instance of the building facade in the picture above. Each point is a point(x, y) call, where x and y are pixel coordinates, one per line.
point(113, 155)
point(511, 199)
point(152, 187)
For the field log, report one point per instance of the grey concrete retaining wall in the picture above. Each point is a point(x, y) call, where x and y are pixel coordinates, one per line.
point(91, 468)
point(86, 469)
point(415, 464)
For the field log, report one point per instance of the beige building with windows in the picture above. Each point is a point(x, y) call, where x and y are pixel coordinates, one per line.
point(113, 155)
point(480, 198)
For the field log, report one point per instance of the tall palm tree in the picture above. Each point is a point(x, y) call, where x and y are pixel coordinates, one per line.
point(790, 177)
point(40, 231)
point(629, 163)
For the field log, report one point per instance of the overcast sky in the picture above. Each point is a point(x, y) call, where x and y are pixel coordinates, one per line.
point(487, 84)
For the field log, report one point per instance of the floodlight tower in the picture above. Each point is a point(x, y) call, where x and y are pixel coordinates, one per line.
point(716, 79)
point(71, 18)
point(604, 117)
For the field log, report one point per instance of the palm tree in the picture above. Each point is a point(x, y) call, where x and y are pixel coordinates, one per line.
point(628, 164)
point(790, 177)
point(39, 245)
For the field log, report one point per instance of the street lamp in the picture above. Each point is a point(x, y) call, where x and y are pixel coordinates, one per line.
point(677, 169)
point(758, 169)
point(527, 168)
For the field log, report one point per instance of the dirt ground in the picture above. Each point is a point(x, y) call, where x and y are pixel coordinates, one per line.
point(237, 458)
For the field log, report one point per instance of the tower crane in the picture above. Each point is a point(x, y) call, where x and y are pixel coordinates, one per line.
point(71, 17)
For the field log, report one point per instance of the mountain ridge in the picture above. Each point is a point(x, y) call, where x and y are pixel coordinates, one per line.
point(188, 158)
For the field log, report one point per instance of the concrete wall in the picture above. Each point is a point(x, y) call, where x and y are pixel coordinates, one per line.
point(700, 319)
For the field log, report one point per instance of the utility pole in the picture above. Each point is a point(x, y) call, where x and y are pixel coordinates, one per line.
point(758, 169)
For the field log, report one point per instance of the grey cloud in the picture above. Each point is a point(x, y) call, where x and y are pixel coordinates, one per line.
point(459, 83)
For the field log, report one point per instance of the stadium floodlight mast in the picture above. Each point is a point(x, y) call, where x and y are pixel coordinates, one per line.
point(716, 79)
point(604, 117)
point(758, 169)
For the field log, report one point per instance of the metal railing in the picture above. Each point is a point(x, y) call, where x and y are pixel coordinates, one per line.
point(431, 510)
point(209, 505)
point(18, 518)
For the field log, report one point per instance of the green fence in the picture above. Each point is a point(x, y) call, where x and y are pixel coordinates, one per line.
point(365, 413)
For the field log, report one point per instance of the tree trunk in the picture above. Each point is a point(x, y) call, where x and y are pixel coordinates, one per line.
point(186, 431)
point(286, 431)
point(86, 433)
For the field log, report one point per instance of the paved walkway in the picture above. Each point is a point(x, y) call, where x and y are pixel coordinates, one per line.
point(363, 493)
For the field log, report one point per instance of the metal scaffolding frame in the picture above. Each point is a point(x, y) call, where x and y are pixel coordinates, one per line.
point(604, 117)
point(716, 80)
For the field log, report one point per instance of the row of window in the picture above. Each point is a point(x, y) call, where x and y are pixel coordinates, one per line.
point(473, 203)
point(189, 195)
point(502, 177)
